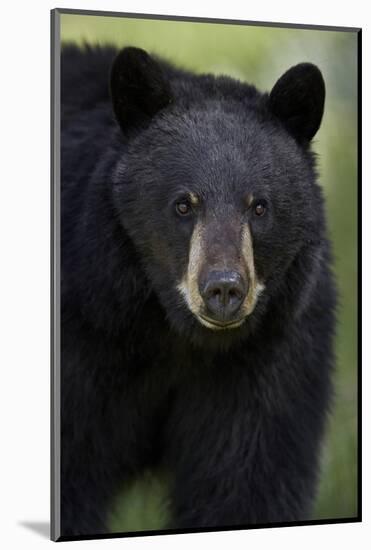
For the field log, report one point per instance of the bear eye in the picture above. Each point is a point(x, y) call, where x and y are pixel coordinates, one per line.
point(259, 209)
point(183, 208)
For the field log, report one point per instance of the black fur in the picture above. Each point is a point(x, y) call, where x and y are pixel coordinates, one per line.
point(139, 88)
point(298, 99)
point(236, 416)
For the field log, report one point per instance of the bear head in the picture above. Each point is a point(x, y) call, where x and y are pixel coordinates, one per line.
point(216, 186)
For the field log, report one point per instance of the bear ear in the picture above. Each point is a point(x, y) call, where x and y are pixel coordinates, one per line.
point(138, 88)
point(297, 99)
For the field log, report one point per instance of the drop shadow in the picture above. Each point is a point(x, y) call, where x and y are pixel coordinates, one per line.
point(42, 528)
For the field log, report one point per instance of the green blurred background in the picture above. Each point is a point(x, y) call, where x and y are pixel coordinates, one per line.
point(259, 55)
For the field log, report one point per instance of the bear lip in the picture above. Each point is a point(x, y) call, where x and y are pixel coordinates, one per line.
point(211, 323)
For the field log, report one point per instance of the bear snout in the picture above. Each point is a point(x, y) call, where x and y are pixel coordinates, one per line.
point(223, 293)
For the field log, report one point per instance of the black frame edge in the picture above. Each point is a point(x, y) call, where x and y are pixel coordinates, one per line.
point(150, 533)
point(359, 270)
point(55, 274)
point(313, 26)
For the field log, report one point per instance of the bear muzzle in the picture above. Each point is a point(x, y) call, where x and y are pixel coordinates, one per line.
point(223, 293)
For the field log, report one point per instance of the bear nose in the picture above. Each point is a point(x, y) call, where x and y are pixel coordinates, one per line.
point(223, 293)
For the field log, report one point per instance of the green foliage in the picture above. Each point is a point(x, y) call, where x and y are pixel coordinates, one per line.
point(260, 55)
point(142, 505)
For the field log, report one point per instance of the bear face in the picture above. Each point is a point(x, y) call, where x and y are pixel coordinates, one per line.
point(224, 197)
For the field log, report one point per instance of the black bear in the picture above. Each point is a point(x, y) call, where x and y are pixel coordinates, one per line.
point(197, 299)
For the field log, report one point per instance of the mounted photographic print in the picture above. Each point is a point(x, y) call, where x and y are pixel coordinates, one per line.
point(204, 274)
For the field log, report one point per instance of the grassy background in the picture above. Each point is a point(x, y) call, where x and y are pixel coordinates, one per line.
point(260, 55)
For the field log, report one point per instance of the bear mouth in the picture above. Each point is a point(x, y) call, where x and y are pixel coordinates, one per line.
point(218, 325)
